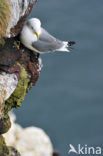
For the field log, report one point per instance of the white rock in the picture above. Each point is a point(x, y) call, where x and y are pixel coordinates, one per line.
point(31, 141)
point(8, 83)
point(18, 9)
point(40, 64)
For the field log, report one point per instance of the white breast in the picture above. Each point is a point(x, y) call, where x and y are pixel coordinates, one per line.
point(27, 37)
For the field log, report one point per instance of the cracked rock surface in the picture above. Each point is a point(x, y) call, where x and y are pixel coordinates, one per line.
point(19, 67)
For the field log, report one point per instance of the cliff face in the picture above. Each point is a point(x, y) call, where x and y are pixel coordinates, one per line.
point(19, 67)
point(20, 9)
point(19, 71)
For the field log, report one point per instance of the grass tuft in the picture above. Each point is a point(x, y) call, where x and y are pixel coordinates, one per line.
point(5, 15)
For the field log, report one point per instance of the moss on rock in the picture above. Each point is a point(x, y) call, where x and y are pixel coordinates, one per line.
point(4, 151)
point(7, 61)
point(18, 96)
point(14, 101)
point(5, 124)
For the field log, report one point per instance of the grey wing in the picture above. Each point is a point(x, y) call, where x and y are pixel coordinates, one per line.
point(47, 42)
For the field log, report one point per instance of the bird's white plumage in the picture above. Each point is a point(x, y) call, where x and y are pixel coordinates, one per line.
point(45, 42)
point(27, 36)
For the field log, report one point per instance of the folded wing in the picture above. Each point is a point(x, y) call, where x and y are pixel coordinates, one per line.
point(47, 42)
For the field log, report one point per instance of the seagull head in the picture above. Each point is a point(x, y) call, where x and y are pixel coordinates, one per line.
point(34, 25)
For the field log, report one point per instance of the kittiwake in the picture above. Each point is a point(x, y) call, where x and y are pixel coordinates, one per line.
point(37, 39)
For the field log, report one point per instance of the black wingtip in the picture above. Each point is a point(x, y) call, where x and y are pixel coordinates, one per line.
point(70, 43)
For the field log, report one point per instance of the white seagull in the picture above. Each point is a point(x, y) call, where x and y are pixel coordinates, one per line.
point(37, 39)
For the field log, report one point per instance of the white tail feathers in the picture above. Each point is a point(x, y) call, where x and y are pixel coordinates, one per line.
point(66, 46)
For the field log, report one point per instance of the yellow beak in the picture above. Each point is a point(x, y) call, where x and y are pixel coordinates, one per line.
point(37, 34)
